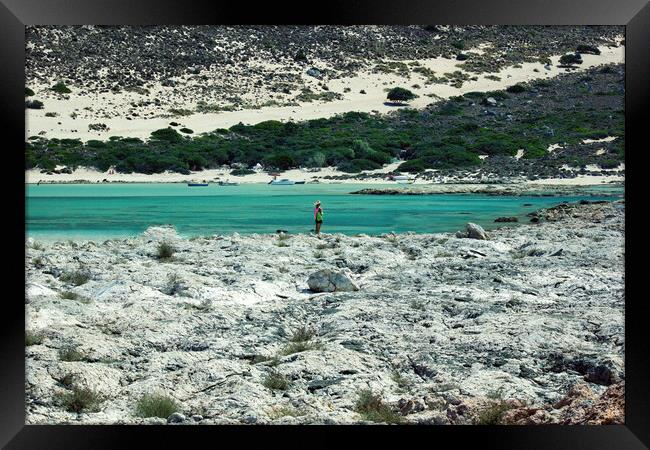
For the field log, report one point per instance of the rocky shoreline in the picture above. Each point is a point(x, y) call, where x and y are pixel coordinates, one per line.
point(512, 189)
point(526, 326)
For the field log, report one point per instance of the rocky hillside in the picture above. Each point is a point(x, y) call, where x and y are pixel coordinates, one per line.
point(419, 328)
point(228, 61)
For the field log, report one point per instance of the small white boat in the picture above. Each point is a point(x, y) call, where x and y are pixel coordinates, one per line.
point(282, 182)
point(228, 183)
point(403, 179)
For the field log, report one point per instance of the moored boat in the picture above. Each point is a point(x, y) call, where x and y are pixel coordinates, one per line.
point(402, 179)
point(282, 182)
point(197, 184)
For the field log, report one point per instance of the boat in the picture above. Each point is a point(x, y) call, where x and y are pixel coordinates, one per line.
point(300, 182)
point(228, 183)
point(402, 179)
point(197, 184)
point(282, 182)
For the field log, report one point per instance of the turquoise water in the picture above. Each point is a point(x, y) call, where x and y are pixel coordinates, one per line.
point(96, 212)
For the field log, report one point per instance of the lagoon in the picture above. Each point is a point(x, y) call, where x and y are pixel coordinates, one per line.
point(106, 211)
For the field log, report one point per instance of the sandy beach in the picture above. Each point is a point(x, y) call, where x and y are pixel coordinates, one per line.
point(85, 175)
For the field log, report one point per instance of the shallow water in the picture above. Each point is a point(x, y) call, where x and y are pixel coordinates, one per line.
point(97, 212)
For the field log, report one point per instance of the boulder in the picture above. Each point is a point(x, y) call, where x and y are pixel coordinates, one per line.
point(489, 101)
point(314, 72)
point(475, 231)
point(410, 406)
point(327, 280)
point(176, 418)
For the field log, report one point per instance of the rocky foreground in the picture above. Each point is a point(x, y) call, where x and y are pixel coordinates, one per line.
point(526, 326)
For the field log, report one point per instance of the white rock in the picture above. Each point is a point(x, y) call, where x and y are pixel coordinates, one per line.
point(475, 231)
point(327, 280)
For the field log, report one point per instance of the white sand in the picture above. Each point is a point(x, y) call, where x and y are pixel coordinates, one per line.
point(373, 84)
point(605, 139)
point(581, 180)
point(211, 175)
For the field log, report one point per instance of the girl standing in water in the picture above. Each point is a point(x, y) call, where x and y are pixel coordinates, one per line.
point(318, 216)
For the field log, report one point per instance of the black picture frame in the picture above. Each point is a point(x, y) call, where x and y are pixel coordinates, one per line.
point(15, 14)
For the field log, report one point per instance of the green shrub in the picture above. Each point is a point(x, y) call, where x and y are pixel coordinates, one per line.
point(34, 104)
point(186, 130)
point(166, 134)
point(204, 107)
point(80, 400)
point(174, 284)
point(70, 354)
point(583, 48)
point(608, 164)
point(271, 361)
point(69, 295)
point(516, 89)
point(358, 165)
point(493, 414)
point(498, 95)
point(449, 109)
point(474, 94)
point(241, 172)
point(412, 166)
point(280, 161)
point(28, 92)
point(399, 94)
point(570, 59)
point(156, 405)
point(317, 160)
point(33, 338)
point(61, 88)
point(275, 381)
point(460, 45)
point(180, 112)
point(299, 347)
point(372, 408)
point(37, 246)
point(76, 277)
point(165, 251)
point(302, 334)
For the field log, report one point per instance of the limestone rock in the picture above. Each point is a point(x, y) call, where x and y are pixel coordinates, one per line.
point(475, 231)
point(176, 418)
point(327, 280)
